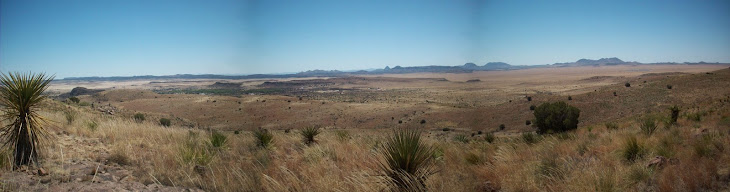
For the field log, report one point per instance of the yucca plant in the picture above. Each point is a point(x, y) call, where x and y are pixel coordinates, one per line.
point(263, 137)
point(407, 161)
point(308, 134)
point(20, 96)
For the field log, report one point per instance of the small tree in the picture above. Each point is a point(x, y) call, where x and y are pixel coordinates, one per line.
point(556, 117)
point(627, 84)
point(165, 122)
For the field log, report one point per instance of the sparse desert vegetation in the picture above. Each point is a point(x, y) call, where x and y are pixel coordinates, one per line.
point(449, 151)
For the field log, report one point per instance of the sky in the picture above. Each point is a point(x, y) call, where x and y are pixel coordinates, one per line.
point(79, 38)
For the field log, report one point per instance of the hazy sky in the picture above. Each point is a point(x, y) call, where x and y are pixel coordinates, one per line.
point(158, 37)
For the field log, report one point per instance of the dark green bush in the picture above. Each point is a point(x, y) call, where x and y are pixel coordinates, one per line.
point(139, 117)
point(529, 138)
point(74, 99)
point(669, 86)
point(556, 117)
point(165, 122)
point(501, 127)
point(532, 107)
point(611, 126)
point(489, 137)
point(627, 84)
point(675, 114)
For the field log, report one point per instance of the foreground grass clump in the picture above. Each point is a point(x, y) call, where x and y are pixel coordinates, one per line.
point(70, 116)
point(308, 134)
point(556, 117)
point(407, 160)
point(217, 139)
point(263, 137)
point(20, 97)
point(648, 126)
point(632, 149)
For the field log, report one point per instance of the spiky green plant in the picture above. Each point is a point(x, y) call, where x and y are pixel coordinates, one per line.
point(20, 96)
point(407, 161)
point(263, 137)
point(308, 134)
point(217, 139)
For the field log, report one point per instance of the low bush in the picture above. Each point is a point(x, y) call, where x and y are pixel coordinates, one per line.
point(461, 138)
point(165, 122)
point(611, 126)
point(489, 137)
point(632, 149)
point(556, 117)
point(139, 117)
point(529, 138)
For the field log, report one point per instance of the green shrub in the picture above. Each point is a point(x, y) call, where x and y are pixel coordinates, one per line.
point(70, 116)
point(139, 117)
point(446, 129)
point(165, 122)
point(532, 107)
point(528, 122)
point(407, 161)
point(193, 152)
point(611, 126)
point(627, 84)
point(308, 134)
point(648, 125)
point(74, 99)
point(489, 137)
point(632, 149)
point(263, 137)
point(669, 86)
point(556, 117)
point(217, 139)
point(674, 115)
point(84, 104)
point(529, 138)
point(501, 126)
point(461, 138)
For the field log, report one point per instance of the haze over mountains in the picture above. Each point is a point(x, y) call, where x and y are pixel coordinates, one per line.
point(466, 68)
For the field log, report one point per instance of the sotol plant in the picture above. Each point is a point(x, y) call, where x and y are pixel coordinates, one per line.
point(308, 134)
point(20, 95)
point(263, 137)
point(407, 161)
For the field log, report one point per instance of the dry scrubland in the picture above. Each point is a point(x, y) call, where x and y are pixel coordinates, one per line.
point(596, 157)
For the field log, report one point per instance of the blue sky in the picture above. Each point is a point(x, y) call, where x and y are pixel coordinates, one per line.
point(72, 38)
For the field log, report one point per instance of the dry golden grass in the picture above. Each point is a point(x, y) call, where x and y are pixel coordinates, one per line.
point(579, 161)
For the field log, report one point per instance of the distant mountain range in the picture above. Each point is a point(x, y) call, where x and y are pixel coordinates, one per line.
point(466, 68)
